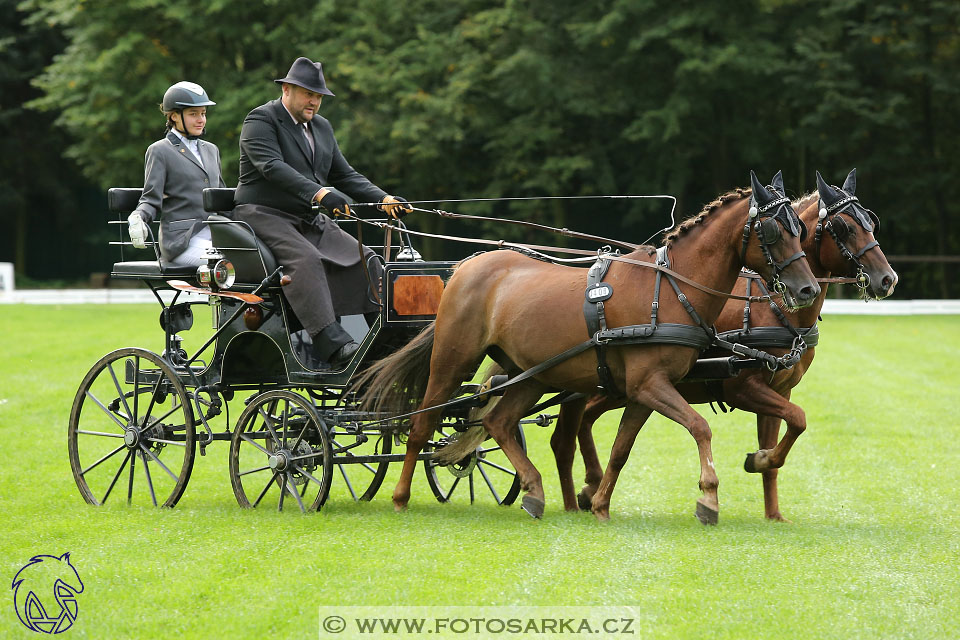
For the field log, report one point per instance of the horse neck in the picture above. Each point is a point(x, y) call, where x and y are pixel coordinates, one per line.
point(709, 253)
point(809, 215)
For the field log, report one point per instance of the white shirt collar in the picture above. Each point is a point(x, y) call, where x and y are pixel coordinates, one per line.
point(193, 145)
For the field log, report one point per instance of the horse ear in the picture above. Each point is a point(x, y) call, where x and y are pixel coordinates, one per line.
point(777, 182)
point(850, 184)
point(759, 191)
point(826, 191)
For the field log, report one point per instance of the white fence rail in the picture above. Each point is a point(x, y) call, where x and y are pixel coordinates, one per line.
point(143, 296)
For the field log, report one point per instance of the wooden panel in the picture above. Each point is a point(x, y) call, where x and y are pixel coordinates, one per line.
point(417, 295)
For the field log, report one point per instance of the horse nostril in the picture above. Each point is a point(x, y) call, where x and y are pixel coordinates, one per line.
point(886, 283)
point(809, 292)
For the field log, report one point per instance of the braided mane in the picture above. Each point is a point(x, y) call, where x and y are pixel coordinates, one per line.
point(804, 201)
point(684, 227)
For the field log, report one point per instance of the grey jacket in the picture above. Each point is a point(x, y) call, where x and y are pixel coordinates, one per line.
point(173, 184)
point(277, 169)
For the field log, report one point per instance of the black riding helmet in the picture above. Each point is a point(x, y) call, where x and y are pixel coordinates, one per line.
point(184, 95)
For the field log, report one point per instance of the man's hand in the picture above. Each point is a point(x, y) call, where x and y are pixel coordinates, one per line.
point(395, 206)
point(333, 202)
point(138, 230)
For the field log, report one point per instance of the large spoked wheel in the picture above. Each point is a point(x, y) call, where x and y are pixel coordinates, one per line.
point(280, 451)
point(355, 453)
point(484, 474)
point(131, 429)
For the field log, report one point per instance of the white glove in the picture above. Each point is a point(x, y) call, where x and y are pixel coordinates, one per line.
point(138, 230)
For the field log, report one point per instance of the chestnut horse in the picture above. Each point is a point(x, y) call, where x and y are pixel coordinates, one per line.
point(844, 244)
point(523, 312)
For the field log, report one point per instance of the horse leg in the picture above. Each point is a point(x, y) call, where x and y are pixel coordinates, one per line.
point(501, 423)
point(593, 470)
point(661, 396)
point(564, 445)
point(632, 421)
point(768, 428)
point(756, 396)
point(440, 387)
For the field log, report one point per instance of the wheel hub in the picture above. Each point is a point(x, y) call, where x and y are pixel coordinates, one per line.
point(131, 437)
point(280, 460)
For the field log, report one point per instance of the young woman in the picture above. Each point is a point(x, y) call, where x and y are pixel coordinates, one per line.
point(177, 169)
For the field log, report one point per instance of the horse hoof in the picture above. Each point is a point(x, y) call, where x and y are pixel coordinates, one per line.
point(533, 506)
point(584, 501)
point(399, 507)
point(707, 515)
point(749, 465)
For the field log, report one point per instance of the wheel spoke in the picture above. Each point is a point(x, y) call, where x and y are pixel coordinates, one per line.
point(146, 470)
point(486, 479)
point(307, 474)
point(283, 491)
point(123, 398)
point(266, 488)
point(247, 438)
point(496, 466)
point(133, 463)
point(104, 458)
point(296, 494)
point(266, 423)
point(112, 415)
point(452, 487)
point(257, 470)
point(100, 433)
point(153, 400)
point(136, 398)
point(490, 450)
point(164, 416)
point(472, 493)
point(347, 480)
point(119, 471)
point(158, 461)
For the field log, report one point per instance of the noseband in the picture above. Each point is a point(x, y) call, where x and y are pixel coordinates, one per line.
point(762, 220)
point(827, 219)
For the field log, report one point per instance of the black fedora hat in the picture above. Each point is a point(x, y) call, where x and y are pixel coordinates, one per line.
point(307, 74)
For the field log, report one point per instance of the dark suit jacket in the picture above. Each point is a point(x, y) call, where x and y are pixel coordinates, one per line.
point(173, 185)
point(277, 170)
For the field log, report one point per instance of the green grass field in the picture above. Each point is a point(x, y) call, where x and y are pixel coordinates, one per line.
point(872, 552)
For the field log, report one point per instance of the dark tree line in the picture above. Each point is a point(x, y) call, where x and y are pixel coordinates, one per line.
point(462, 98)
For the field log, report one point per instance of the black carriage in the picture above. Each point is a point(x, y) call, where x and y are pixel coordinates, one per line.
point(139, 417)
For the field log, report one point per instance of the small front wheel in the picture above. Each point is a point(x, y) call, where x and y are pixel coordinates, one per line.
point(280, 451)
point(131, 429)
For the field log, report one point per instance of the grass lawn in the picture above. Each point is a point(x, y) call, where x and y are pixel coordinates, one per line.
point(872, 552)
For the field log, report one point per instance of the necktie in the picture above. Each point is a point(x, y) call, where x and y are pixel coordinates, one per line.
point(306, 134)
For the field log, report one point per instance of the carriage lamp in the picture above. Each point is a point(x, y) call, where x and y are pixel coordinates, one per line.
point(224, 274)
point(204, 276)
point(252, 317)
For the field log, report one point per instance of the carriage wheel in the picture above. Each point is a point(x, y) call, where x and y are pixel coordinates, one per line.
point(486, 470)
point(361, 478)
point(131, 429)
point(280, 452)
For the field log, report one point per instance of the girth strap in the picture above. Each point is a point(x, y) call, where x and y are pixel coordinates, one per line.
point(593, 312)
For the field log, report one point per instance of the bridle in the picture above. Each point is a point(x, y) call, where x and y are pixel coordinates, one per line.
point(763, 221)
point(837, 227)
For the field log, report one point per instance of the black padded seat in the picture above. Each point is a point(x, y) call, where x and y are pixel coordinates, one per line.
point(252, 260)
point(150, 269)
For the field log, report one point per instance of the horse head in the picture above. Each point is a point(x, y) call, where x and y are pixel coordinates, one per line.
point(854, 251)
point(771, 244)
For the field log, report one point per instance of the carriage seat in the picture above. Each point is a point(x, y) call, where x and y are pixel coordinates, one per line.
point(251, 258)
point(123, 200)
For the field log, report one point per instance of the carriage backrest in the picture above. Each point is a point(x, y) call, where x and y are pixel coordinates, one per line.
point(235, 239)
point(123, 199)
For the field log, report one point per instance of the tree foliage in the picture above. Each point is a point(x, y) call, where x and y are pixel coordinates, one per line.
point(471, 98)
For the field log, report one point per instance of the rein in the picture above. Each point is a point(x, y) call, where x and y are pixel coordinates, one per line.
point(503, 244)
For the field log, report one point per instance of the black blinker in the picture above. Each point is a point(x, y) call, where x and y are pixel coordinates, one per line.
point(768, 230)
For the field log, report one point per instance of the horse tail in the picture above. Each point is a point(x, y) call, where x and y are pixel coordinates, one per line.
point(462, 444)
point(398, 382)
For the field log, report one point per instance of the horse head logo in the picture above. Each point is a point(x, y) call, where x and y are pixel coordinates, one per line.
point(45, 593)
